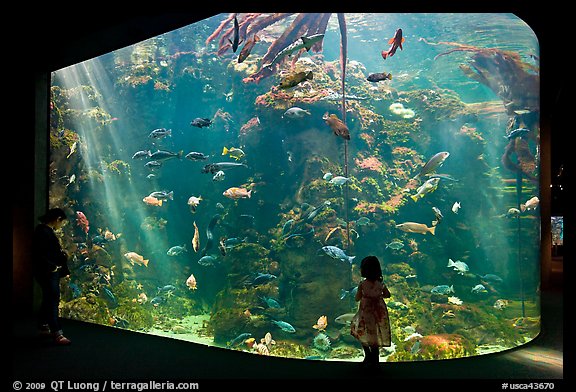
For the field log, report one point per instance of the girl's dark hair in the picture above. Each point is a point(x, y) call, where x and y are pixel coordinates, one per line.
point(370, 268)
point(52, 215)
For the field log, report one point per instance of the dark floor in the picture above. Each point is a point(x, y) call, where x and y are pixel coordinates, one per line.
point(101, 353)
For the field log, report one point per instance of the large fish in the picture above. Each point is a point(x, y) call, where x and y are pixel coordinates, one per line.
point(295, 79)
point(395, 43)
point(434, 163)
point(245, 52)
point(377, 77)
point(413, 227)
point(337, 253)
point(236, 38)
point(214, 168)
point(337, 126)
point(302, 42)
point(162, 155)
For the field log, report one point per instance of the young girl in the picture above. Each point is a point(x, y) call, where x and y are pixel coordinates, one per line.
point(371, 325)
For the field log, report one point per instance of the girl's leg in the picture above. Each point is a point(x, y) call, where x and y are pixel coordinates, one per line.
point(375, 354)
point(367, 354)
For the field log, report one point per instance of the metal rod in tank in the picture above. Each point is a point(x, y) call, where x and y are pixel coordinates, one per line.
point(518, 239)
point(343, 57)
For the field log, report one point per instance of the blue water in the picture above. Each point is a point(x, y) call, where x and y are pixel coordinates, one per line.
point(104, 109)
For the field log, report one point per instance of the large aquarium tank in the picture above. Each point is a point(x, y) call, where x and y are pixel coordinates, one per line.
point(225, 180)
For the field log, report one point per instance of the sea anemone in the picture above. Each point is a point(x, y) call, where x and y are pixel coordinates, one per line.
point(322, 342)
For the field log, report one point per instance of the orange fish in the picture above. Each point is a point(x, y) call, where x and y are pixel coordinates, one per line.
point(152, 201)
point(395, 42)
point(191, 282)
point(321, 324)
point(338, 127)
point(237, 193)
point(196, 239)
point(135, 258)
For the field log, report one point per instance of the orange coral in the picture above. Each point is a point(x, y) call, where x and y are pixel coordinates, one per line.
point(370, 163)
point(369, 139)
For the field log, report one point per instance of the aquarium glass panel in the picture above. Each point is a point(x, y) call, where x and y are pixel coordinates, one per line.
point(225, 180)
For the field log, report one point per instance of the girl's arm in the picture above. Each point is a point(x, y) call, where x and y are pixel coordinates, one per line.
point(385, 292)
point(359, 293)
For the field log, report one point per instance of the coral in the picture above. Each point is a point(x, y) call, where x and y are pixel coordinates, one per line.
point(370, 163)
point(444, 346)
point(321, 342)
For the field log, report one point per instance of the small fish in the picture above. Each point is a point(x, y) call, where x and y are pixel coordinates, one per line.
point(456, 206)
point(153, 164)
point(295, 79)
point(362, 221)
point(295, 112)
point(162, 195)
point(236, 37)
point(438, 215)
point(135, 258)
point(531, 204)
point(207, 261)
point(193, 202)
point(162, 155)
point(196, 238)
point(327, 176)
point(479, 288)
point(339, 180)
point(321, 324)
point(191, 282)
point(196, 156)
point(337, 126)
point(239, 339)
point(201, 122)
point(337, 253)
point(72, 149)
point(152, 201)
point(245, 52)
point(459, 266)
point(433, 163)
point(377, 77)
point(270, 302)
point(415, 347)
point(397, 305)
point(262, 278)
point(219, 176)
point(395, 43)
point(213, 168)
point(344, 319)
point(82, 221)
point(491, 278)
point(141, 154)
point(302, 43)
point(513, 213)
point(442, 289)
point(237, 193)
point(413, 227)
point(176, 250)
point(233, 152)
point(160, 133)
point(500, 304)
point(517, 133)
point(284, 326)
point(428, 186)
point(396, 244)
